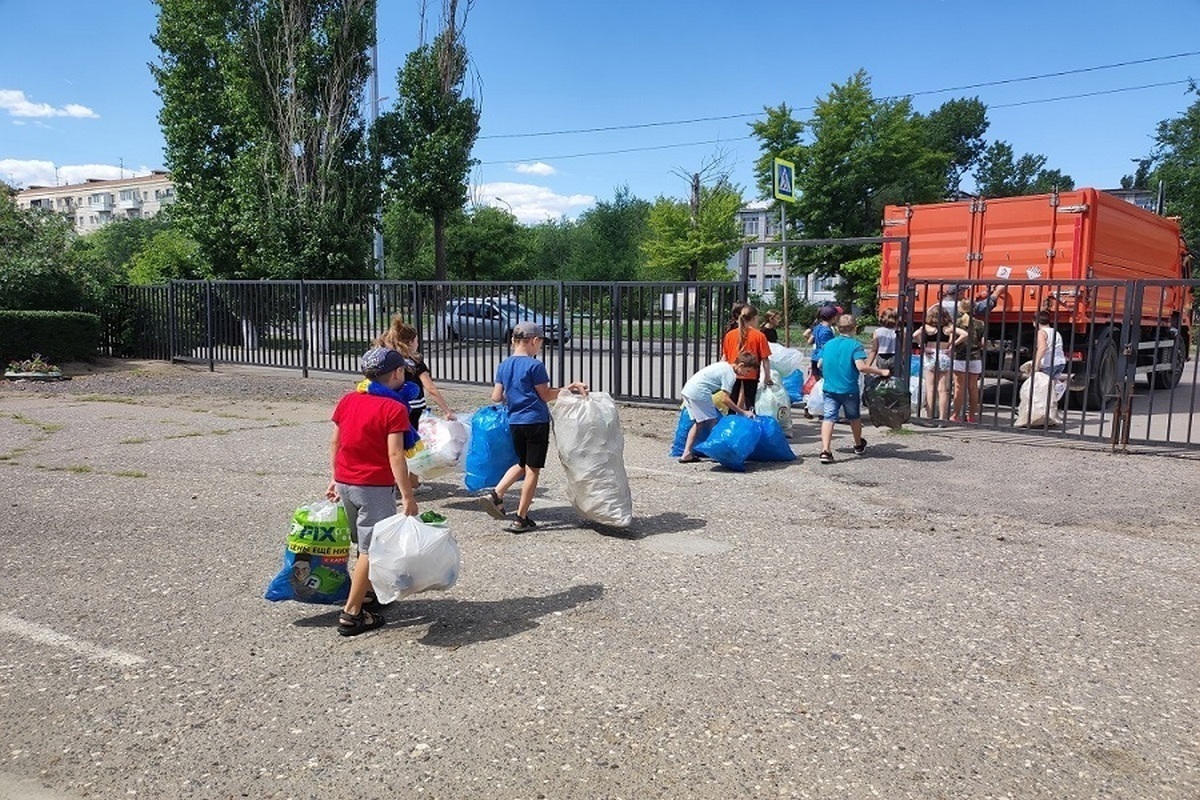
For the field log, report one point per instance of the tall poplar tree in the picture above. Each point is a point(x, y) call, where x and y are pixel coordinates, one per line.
point(425, 141)
point(265, 134)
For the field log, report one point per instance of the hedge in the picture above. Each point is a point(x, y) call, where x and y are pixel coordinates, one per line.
point(60, 336)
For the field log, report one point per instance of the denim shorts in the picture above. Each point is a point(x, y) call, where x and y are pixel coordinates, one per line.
point(835, 401)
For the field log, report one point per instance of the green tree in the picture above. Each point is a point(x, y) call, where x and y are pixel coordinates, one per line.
point(34, 274)
point(956, 128)
point(1176, 159)
point(407, 243)
point(610, 240)
point(1000, 174)
point(264, 132)
point(683, 246)
point(554, 244)
point(426, 140)
point(487, 244)
point(169, 255)
point(101, 258)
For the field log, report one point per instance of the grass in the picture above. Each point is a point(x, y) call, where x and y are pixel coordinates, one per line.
point(44, 427)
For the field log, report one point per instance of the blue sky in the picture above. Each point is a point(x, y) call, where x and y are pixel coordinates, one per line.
point(76, 94)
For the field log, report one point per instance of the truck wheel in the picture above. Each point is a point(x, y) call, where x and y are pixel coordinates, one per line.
point(1169, 380)
point(1102, 379)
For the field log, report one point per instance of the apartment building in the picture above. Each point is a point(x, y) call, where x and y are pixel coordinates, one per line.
point(94, 203)
point(759, 222)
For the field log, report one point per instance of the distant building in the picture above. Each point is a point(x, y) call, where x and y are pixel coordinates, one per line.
point(1142, 198)
point(760, 223)
point(94, 203)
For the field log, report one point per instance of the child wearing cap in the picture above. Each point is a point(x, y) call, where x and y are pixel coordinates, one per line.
point(523, 383)
point(368, 466)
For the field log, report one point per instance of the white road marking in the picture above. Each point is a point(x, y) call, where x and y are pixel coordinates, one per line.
point(48, 636)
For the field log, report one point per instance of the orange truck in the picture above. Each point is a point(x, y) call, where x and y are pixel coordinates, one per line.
point(1076, 254)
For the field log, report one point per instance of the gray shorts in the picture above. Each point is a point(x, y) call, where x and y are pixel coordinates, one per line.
point(366, 505)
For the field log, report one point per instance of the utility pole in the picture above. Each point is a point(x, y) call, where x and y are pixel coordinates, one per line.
point(695, 205)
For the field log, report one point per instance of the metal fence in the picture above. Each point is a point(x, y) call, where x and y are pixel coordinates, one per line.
point(641, 341)
point(1126, 381)
point(638, 341)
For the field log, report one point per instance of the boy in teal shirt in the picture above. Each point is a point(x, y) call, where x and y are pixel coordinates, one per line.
point(842, 360)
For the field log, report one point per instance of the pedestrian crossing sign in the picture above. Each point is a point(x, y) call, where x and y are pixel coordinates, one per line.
point(785, 180)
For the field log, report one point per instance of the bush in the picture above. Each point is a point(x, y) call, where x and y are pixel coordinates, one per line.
point(58, 335)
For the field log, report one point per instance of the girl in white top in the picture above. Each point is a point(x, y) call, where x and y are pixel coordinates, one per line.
point(1049, 356)
point(883, 341)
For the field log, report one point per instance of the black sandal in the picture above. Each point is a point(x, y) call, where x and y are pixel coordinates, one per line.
point(354, 624)
point(371, 603)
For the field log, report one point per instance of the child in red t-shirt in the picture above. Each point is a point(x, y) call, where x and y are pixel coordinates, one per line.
point(368, 465)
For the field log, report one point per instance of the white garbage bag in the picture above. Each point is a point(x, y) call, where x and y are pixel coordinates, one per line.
point(443, 443)
point(773, 401)
point(816, 399)
point(408, 556)
point(591, 447)
point(785, 360)
point(1039, 397)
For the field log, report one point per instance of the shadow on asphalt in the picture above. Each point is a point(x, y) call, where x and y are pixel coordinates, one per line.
point(455, 623)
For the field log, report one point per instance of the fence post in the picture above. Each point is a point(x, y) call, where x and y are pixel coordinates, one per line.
point(208, 325)
point(615, 344)
point(303, 332)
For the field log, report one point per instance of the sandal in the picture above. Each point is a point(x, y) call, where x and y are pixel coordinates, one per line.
point(354, 624)
point(492, 504)
point(826, 457)
point(689, 459)
point(371, 603)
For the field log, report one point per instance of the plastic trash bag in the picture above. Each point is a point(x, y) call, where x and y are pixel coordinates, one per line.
point(772, 444)
point(681, 432)
point(1038, 402)
point(490, 450)
point(314, 556)
point(772, 401)
point(591, 448)
point(815, 399)
point(785, 360)
point(794, 384)
point(888, 401)
point(731, 441)
point(444, 442)
point(408, 556)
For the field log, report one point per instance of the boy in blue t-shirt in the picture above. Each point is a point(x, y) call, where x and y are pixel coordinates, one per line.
point(523, 383)
point(842, 359)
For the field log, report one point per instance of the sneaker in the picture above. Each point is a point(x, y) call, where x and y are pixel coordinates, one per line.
point(492, 504)
point(826, 457)
point(861, 447)
point(522, 524)
point(423, 488)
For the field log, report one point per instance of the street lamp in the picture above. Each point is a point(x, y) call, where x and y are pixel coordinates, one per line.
point(506, 204)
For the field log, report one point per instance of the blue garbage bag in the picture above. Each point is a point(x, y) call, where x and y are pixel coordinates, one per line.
point(731, 441)
point(794, 383)
point(772, 444)
point(490, 452)
point(681, 432)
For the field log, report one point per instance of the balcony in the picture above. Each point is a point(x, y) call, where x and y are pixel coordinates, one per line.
point(130, 203)
point(100, 203)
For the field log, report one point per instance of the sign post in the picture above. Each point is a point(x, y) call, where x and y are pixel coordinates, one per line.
point(784, 185)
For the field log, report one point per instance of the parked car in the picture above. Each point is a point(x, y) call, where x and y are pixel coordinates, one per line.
point(493, 319)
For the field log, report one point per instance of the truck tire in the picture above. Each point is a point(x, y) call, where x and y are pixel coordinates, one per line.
point(1169, 380)
point(1102, 375)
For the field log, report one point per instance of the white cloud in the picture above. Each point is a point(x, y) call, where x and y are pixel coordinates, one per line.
point(531, 204)
point(34, 172)
point(536, 168)
point(17, 104)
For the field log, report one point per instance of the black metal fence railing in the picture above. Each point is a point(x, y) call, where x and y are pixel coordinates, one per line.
point(637, 341)
point(1131, 375)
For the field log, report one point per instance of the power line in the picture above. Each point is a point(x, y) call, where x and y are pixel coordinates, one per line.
point(742, 138)
point(724, 117)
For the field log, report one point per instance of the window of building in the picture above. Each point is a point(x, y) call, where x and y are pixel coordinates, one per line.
point(750, 226)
